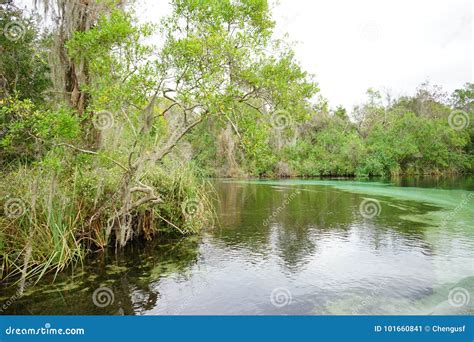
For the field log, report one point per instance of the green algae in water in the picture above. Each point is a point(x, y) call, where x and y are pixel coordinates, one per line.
point(307, 236)
point(444, 201)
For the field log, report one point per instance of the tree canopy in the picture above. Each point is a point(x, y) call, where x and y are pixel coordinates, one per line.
point(106, 138)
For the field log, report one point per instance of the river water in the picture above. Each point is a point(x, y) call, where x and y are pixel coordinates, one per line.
point(307, 247)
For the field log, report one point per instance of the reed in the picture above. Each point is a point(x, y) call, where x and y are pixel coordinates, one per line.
point(53, 218)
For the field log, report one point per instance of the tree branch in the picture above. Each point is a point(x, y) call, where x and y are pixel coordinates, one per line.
point(94, 153)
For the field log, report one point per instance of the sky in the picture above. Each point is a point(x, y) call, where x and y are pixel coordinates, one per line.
point(389, 45)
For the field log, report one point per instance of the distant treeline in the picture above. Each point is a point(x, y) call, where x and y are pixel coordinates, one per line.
point(106, 138)
point(426, 133)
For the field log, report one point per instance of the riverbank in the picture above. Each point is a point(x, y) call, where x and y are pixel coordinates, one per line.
point(296, 253)
point(53, 220)
point(62, 234)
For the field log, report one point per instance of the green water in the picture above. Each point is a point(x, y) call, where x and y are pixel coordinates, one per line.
point(290, 247)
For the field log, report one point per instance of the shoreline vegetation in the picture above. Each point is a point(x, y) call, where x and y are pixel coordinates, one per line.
point(106, 139)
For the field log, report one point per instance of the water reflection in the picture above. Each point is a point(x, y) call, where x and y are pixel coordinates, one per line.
point(308, 239)
point(132, 276)
point(312, 215)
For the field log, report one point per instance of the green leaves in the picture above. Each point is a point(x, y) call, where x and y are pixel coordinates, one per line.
point(120, 66)
point(23, 67)
point(29, 131)
point(223, 57)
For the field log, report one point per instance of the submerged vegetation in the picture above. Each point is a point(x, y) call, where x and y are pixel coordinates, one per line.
point(106, 138)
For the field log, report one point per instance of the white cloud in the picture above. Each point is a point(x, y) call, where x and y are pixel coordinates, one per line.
point(354, 45)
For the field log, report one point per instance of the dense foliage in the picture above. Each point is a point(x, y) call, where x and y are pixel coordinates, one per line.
point(113, 143)
point(427, 133)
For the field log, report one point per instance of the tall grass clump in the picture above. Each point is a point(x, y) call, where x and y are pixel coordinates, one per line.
point(53, 215)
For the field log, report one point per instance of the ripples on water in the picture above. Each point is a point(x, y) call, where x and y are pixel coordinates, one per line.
point(290, 247)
